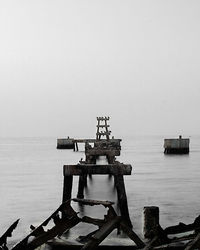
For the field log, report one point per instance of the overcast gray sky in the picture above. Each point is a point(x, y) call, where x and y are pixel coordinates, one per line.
point(62, 63)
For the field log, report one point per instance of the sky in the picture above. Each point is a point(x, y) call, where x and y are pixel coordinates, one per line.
point(65, 62)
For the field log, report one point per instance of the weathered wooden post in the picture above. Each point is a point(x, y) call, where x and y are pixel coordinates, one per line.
point(76, 145)
point(81, 185)
point(151, 220)
point(82, 170)
point(122, 199)
point(67, 187)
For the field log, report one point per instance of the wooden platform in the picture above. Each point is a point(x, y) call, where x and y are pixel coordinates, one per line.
point(71, 143)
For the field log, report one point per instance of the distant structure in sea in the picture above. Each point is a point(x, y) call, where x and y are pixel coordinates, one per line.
point(176, 146)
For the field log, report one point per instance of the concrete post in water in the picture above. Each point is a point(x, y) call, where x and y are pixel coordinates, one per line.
point(176, 146)
point(67, 143)
point(151, 220)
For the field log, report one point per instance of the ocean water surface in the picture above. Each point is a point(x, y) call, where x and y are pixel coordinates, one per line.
point(31, 181)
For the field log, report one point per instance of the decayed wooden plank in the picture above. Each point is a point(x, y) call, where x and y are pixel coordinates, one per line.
point(170, 246)
point(101, 234)
point(195, 244)
point(50, 234)
point(132, 235)
point(102, 151)
point(94, 221)
point(80, 169)
point(64, 207)
point(184, 238)
point(94, 140)
point(93, 202)
point(8, 233)
point(181, 228)
point(152, 243)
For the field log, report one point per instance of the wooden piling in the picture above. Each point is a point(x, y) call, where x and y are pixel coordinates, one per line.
point(76, 145)
point(67, 187)
point(122, 199)
point(81, 185)
point(151, 220)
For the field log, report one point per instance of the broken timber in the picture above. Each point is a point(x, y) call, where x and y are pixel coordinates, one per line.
point(8, 233)
point(60, 226)
point(162, 238)
point(110, 222)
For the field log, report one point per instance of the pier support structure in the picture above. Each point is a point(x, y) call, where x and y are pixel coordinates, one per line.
point(82, 170)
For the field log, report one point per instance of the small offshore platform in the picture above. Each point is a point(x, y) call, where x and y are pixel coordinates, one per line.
point(177, 146)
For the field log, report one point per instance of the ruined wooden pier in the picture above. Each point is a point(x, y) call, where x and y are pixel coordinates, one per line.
point(102, 131)
point(110, 148)
point(65, 217)
point(155, 236)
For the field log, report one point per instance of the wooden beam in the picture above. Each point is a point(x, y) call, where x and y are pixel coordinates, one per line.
point(80, 169)
point(195, 244)
point(94, 140)
point(102, 151)
point(103, 126)
point(181, 228)
point(106, 118)
point(94, 221)
point(132, 235)
point(101, 234)
point(94, 202)
point(58, 229)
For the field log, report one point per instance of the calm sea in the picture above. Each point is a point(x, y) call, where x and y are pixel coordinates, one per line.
point(31, 181)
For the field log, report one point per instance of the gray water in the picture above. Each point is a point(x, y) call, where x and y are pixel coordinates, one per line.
point(31, 181)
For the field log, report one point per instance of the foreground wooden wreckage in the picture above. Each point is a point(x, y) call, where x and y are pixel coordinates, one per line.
point(65, 218)
point(51, 234)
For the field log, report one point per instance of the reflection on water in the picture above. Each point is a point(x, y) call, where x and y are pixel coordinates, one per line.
point(31, 182)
